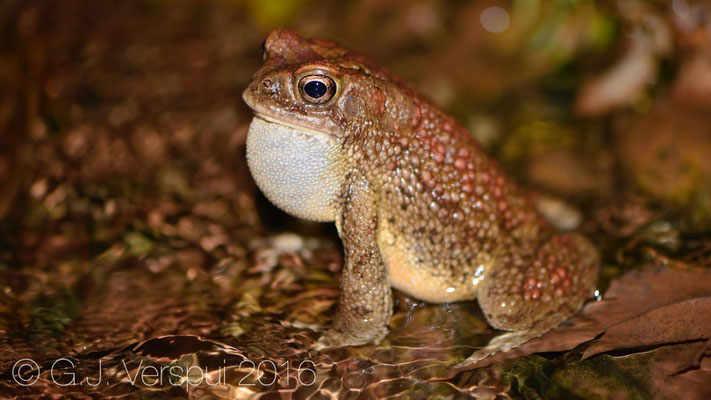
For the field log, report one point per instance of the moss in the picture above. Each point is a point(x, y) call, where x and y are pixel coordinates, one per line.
point(596, 378)
point(50, 315)
point(528, 376)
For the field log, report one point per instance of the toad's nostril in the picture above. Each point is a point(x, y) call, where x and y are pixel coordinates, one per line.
point(268, 86)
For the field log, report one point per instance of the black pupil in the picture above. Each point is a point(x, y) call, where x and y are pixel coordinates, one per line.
point(315, 89)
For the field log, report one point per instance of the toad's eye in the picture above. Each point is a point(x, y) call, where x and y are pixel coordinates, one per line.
point(317, 89)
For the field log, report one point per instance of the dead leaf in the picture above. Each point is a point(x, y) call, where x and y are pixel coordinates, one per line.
point(621, 85)
point(679, 322)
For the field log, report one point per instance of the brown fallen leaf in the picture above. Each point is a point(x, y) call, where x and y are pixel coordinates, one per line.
point(621, 85)
point(634, 294)
point(667, 376)
point(679, 322)
point(692, 86)
point(666, 152)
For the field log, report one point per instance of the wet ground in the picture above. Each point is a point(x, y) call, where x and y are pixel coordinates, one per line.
point(138, 259)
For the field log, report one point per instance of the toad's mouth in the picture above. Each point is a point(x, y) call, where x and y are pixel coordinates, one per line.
point(299, 128)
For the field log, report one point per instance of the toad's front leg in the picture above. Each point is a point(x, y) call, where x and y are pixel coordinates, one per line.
point(365, 299)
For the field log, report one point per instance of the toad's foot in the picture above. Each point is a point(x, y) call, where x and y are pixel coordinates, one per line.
point(511, 340)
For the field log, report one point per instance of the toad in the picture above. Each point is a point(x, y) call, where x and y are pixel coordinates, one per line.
point(417, 203)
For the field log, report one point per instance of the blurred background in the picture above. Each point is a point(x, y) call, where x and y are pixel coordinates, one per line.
point(131, 230)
